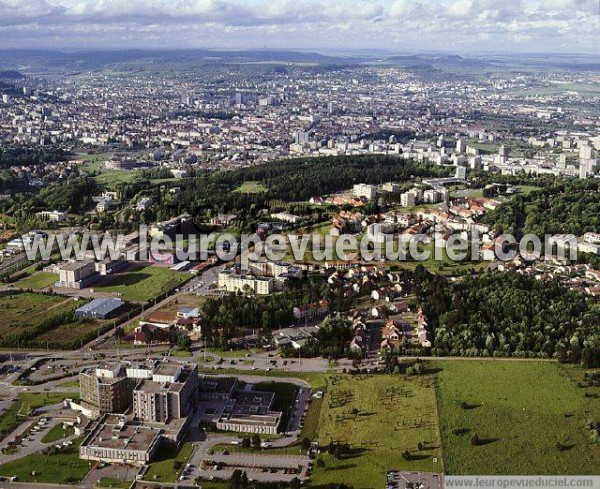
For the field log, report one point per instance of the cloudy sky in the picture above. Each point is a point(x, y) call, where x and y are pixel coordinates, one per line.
point(397, 25)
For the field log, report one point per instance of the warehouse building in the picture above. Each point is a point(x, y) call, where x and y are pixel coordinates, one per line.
point(101, 309)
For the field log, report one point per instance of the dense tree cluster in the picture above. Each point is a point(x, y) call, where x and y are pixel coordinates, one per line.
point(21, 156)
point(229, 316)
point(331, 341)
point(565, 206)
point(511, 315)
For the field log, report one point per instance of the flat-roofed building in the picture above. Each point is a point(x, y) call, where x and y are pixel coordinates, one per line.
point(106, 389)
point(217, 388)
point(77, 275)
point(171, 393)
point(233, 282)
point(250, 412)
point(116, 440)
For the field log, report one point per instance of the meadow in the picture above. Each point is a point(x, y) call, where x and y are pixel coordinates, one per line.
point(381, 417)
point(143, 284)
point(59, 467)
point(251, 187)
point(39, 280)
point(529, 417)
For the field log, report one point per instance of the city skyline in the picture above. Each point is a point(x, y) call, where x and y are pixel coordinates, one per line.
point(456, 26)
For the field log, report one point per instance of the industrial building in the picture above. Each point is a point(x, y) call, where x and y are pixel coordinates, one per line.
point(77, 275)
point(101, 309)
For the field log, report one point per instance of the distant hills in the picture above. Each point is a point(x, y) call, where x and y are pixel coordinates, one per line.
point(42, 62)
point(11, 75)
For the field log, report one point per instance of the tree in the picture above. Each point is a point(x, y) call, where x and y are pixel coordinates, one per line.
point(305, 443)
point(295, 483)
point(184, 342)
point(246, 442)
point(256, 441)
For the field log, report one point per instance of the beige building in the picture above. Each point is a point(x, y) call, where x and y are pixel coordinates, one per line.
point(233, 282)
point(115, 440)
point(77, 275)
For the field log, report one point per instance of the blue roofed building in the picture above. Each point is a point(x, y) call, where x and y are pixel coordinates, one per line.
point(101, 309)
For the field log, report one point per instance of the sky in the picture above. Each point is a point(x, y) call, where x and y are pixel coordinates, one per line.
point(453, 26)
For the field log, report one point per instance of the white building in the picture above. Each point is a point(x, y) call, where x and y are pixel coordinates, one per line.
point(232, 282)
point(364, 190)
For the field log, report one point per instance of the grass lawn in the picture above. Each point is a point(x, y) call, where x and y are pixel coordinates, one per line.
point(291, 450)
point(111, 482)
point(39, 280)
point(251, 187)
point(57, 432)
point(521, 410)
point(28, 401)
point(61, 467)
point(527, 189)
point(144, 284)
point(380, 417)
point(169, 464)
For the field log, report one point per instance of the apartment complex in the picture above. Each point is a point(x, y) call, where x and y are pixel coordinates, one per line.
point(233, 282)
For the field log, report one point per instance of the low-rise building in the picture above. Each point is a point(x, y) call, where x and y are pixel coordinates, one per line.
point(117, 440)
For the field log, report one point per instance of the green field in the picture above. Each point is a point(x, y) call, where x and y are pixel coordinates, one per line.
point(57, 432)
point(520, 411)
point(39, 280)
point(380, 417)
point(111, 482)
point(251, 187)
point(169, 465)
point(59, 467)
point(143, 284)
point(23, 311)
point(66, 333)
point(18, 411)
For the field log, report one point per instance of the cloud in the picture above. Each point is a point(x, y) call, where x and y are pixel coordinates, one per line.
point(429, 24)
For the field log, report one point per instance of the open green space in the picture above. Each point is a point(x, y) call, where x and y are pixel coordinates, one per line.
point(58, 466)
point(143, 284)
point(39, 280)
point(169, 464)
point(39, 320)
point(381, 417)
point(112, 482)
point(27, 402)
point(57, 432)
point(23, 311)
point(68, 334)
point(529, 417)
point(251, 187)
